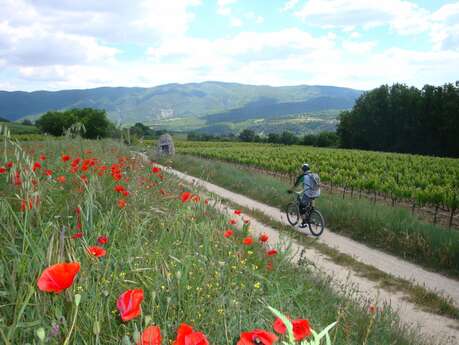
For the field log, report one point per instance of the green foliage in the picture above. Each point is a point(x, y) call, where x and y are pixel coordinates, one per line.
point(20, 128)
point(95, 122)
point(420, 179)
point(399, 118)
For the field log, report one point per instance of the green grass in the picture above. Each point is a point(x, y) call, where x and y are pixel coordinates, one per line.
point(423, 298)
point(175, 252)
point(390, 229)
point(17, 128)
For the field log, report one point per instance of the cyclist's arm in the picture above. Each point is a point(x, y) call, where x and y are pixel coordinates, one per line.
point(299, 179)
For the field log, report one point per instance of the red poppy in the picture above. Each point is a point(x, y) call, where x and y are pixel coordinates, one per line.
point(17, 178)
point(237, 212)
point(119, 188)
point(246, 221)
point(60, 179)
point(185, 196)
point(247, 241)
point(186, 336)
point(122, 203)
point(77, 235)
point(228, 233)
point(24, 204)
point(97, 251)
point(125, 192)
point(2, 170)
point(232, 221)
point(257, 337)
point(128, 304)
point(65, 158)
point(196, 198)
point(271, 252)
point(269, 266)
point(48, 172)
point(264, 238)
point(42, 157)
point(9, 165)
point(57, 278)
point(155, 170)
point(102, 239)
point(36, 165)
point(301, 328)
point(150, 336)
point(206, 201)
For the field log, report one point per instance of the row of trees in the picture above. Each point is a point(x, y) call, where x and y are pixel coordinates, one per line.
point(323, 139)
point(405, 119)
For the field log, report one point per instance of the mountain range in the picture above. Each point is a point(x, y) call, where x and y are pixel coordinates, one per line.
point(207, 106)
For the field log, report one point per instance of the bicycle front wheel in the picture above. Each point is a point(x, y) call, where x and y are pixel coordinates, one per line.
point(293, 213)
point(316, 223)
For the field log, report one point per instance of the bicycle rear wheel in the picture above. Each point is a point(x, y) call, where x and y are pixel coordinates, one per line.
point(293, 213)
point(316, 223)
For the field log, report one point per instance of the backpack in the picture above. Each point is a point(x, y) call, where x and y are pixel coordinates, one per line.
point(316, 184)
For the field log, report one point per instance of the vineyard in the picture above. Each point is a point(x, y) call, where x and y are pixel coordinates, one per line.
point(420, 180)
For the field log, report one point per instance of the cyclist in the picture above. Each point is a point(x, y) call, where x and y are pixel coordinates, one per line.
point(311, 188)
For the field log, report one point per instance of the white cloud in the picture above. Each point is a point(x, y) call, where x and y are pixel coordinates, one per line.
point(445, 28)
point(289, 5)
point(236, 22)
point(403, 16)
point(223, 7)
point(354, 47)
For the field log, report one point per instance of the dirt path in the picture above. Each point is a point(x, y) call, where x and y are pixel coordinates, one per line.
point(439, 329)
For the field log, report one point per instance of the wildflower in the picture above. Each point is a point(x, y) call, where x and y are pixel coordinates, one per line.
point(17, 178)
point(185, 196)
point(257, 337)
point(48, 172)
point(128, 304)
point(271, 252)
point(36, 165)
point(232, 221)
point(96, 251)
point(24, 204)
point(57, 278)
point(2, 170)
point(77, 235)
point(155, 170)
point(237, 212)
point(42, 157)
point(228, 233)
point(301, 328)
point(196, 198)
point(65, 158)
point(61, 179)
point(372, 309)
point(186, 336)
point(9, 165)
point(122, 203)
point(150, 336)
point(269, 266)
point(247, 241)
point(125, 192)
point(102, 239)
point(206, 201)
point(119, 188)
point(264, 238)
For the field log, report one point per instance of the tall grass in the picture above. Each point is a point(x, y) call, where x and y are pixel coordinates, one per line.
point(174, 251)
point(391, 229)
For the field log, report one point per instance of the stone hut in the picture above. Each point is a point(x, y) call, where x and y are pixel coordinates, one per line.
point(165, 145)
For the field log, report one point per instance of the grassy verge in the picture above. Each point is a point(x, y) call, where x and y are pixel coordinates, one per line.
point(172, 250)
point(427, 300)
point(391, 229)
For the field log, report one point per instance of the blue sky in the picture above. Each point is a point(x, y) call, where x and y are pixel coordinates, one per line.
point(63, 44)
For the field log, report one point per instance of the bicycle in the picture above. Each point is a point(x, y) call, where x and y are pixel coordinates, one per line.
point(313, 217)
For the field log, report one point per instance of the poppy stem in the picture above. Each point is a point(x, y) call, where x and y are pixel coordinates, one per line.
point(77, 303)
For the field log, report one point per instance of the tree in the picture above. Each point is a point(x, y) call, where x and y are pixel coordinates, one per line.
point(288, 138)
point(247, 135)
point(95, 122)
point(27, 122)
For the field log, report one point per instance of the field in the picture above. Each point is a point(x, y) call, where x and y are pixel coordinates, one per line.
point(420, 180)
point(130, 227)
point(392, 229)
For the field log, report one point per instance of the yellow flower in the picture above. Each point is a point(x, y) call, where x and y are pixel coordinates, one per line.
point(257, 285)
